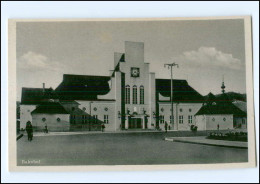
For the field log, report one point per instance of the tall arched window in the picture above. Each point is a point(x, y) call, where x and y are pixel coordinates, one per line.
point(127, 94)
point(134, 95)
point(141, 94)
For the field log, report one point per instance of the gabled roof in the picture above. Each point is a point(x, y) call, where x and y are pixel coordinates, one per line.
point(50, 108)
point(241, 105)
point(221, 105)
point(34, 96)
point(82, 87)
point(182, 91)
point(221, 109)
point(122, 59)
point(210, 98)
point(117, 67)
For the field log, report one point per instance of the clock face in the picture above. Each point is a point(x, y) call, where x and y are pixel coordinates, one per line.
point(135, 72)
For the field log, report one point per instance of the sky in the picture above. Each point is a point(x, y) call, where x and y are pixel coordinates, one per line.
point(206, 50)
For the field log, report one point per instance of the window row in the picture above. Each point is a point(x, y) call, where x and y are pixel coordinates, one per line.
point(190, 119)
point(181, 110)
point(85, 119)
point(134, 94)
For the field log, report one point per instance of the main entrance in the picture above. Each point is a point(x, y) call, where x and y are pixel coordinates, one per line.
point(135, 123)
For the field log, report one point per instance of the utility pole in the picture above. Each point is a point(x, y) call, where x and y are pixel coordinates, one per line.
point(170, 67)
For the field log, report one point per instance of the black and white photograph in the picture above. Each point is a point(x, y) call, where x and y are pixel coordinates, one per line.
point(137, 92)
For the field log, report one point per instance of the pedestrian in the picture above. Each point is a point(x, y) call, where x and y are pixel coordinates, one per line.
point(103, 127)
point(46, 128)
point(166, 126)
point(29, 130)
point(218, 126)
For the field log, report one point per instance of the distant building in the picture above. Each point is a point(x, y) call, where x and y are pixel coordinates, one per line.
point(220, 114)
point(31, 97)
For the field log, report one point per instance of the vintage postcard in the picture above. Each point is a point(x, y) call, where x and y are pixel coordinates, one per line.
point(131, 94)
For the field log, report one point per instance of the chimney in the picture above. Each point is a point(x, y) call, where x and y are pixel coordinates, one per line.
point(43, 87)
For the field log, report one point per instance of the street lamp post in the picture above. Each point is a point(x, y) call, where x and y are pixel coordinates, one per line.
point(170, 67)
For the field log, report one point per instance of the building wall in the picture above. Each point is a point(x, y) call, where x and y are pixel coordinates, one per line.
point(134, 57)
point(201, 122)
point(212, 122)
point(181, 109)
point(101, 108)
point(240, 122)
point(51, 121)
point(25, 114)
point(152, 102)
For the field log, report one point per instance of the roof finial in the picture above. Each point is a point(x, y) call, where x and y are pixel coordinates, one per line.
point(223, 85)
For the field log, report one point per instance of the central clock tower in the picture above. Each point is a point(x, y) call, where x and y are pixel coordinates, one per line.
point(135, 72)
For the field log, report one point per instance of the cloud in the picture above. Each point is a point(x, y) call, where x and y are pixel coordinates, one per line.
point(36, 61)
point(210, 57)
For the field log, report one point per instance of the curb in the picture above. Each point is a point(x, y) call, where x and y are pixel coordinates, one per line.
point(92, 133)
point(208, 144)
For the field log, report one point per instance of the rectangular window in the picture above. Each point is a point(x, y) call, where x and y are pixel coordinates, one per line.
point(83, 119)
point(127, 94)
point(72, 119)
point(190, 119)
point(180, 119)
point(134, 95)
point(106, 119)
point(161, 119)
point(95, 118)
point(172, 119)
point(141, 95)
point(243, 121)
point(86, 118)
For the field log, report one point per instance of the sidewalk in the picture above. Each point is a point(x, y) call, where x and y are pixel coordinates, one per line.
point(204, 141)
point(38, 134)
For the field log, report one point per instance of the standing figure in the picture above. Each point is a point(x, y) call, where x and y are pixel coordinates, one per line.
point(46, 128)
point(103, 127)
point(218, 126)
point(29, 130)
point(166, 126)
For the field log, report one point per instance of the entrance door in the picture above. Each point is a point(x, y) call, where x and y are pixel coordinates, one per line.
point(145, 122)
point(135, 123)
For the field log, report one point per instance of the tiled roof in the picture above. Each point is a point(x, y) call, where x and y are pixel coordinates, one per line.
point(220, 105)
point(221, 109)
point(82, 87)
point(182, 91)
point(34, 96)
point(210, 98)
point(50, 108)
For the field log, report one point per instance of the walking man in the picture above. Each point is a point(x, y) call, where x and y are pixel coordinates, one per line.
point(29, 130)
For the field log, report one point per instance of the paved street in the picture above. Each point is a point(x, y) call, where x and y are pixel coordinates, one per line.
point(118, 149)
